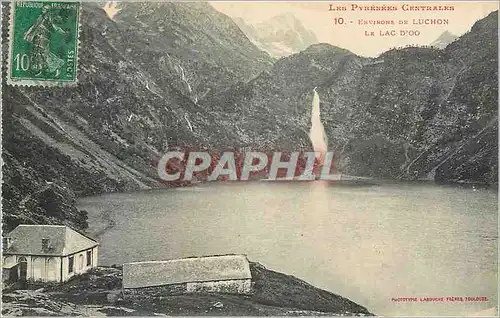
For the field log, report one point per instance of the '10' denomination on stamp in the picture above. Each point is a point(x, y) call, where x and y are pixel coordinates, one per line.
point(43, 43)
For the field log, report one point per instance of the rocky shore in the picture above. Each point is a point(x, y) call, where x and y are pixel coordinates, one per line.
point(99, 293)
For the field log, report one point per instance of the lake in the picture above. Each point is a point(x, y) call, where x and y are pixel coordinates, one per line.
point(368, 243)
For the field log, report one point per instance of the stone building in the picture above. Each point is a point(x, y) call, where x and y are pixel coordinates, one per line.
point(218, 274)
point(50, 253)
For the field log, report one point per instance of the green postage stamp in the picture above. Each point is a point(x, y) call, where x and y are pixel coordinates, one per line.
point(43, 43)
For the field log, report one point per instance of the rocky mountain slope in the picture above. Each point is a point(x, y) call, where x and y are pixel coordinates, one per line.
point(280, 36)
point(191, 47)
point(411, 113)
point(279, 100)
point(428, 113)
point(137, 96)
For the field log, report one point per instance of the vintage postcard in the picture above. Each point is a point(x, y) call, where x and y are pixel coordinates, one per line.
point(233, 158)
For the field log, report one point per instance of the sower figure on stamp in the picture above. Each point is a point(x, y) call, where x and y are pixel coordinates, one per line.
point(39, 34)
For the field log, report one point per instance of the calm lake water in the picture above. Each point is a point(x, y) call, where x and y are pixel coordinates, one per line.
point(366, 243)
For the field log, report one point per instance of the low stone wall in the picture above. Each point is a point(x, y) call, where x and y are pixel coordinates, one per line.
point(237, 286)
point(155, 291)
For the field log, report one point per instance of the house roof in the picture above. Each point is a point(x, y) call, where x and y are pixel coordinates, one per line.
point(27, 240)
point(186, 270)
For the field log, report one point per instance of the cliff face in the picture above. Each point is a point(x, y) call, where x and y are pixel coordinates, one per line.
point(411, 113)
point(422, 113)
point(278, 102)
point(468, 121)
point(378, 130)
point(189, 46)
point(165, 75)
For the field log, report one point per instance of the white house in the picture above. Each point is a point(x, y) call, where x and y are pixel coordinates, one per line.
point(47, 253)
point(220, 274)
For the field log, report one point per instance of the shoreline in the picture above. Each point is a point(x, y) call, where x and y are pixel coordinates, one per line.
point(363, 181)
point(105, 220)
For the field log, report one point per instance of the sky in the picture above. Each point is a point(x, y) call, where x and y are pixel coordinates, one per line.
point(351, 35)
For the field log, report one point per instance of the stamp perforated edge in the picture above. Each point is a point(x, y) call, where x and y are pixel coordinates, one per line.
point(43, 83)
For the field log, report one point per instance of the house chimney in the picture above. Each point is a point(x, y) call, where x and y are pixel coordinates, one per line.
point(45, 243)
point(7, 242)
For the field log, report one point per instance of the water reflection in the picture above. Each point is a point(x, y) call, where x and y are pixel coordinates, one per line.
point(369, 244)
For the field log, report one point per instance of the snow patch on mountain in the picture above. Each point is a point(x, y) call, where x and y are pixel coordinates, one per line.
point(281, 35)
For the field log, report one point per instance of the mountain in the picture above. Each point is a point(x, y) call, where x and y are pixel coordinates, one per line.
point(443, 40)
point(279, 100)
point(140, 76)
point(280, 36)
point(412, 113)
point(191, 45)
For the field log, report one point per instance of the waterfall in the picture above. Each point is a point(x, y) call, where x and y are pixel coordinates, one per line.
point(184, 79)
point(317, 134)
point(188, 122)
